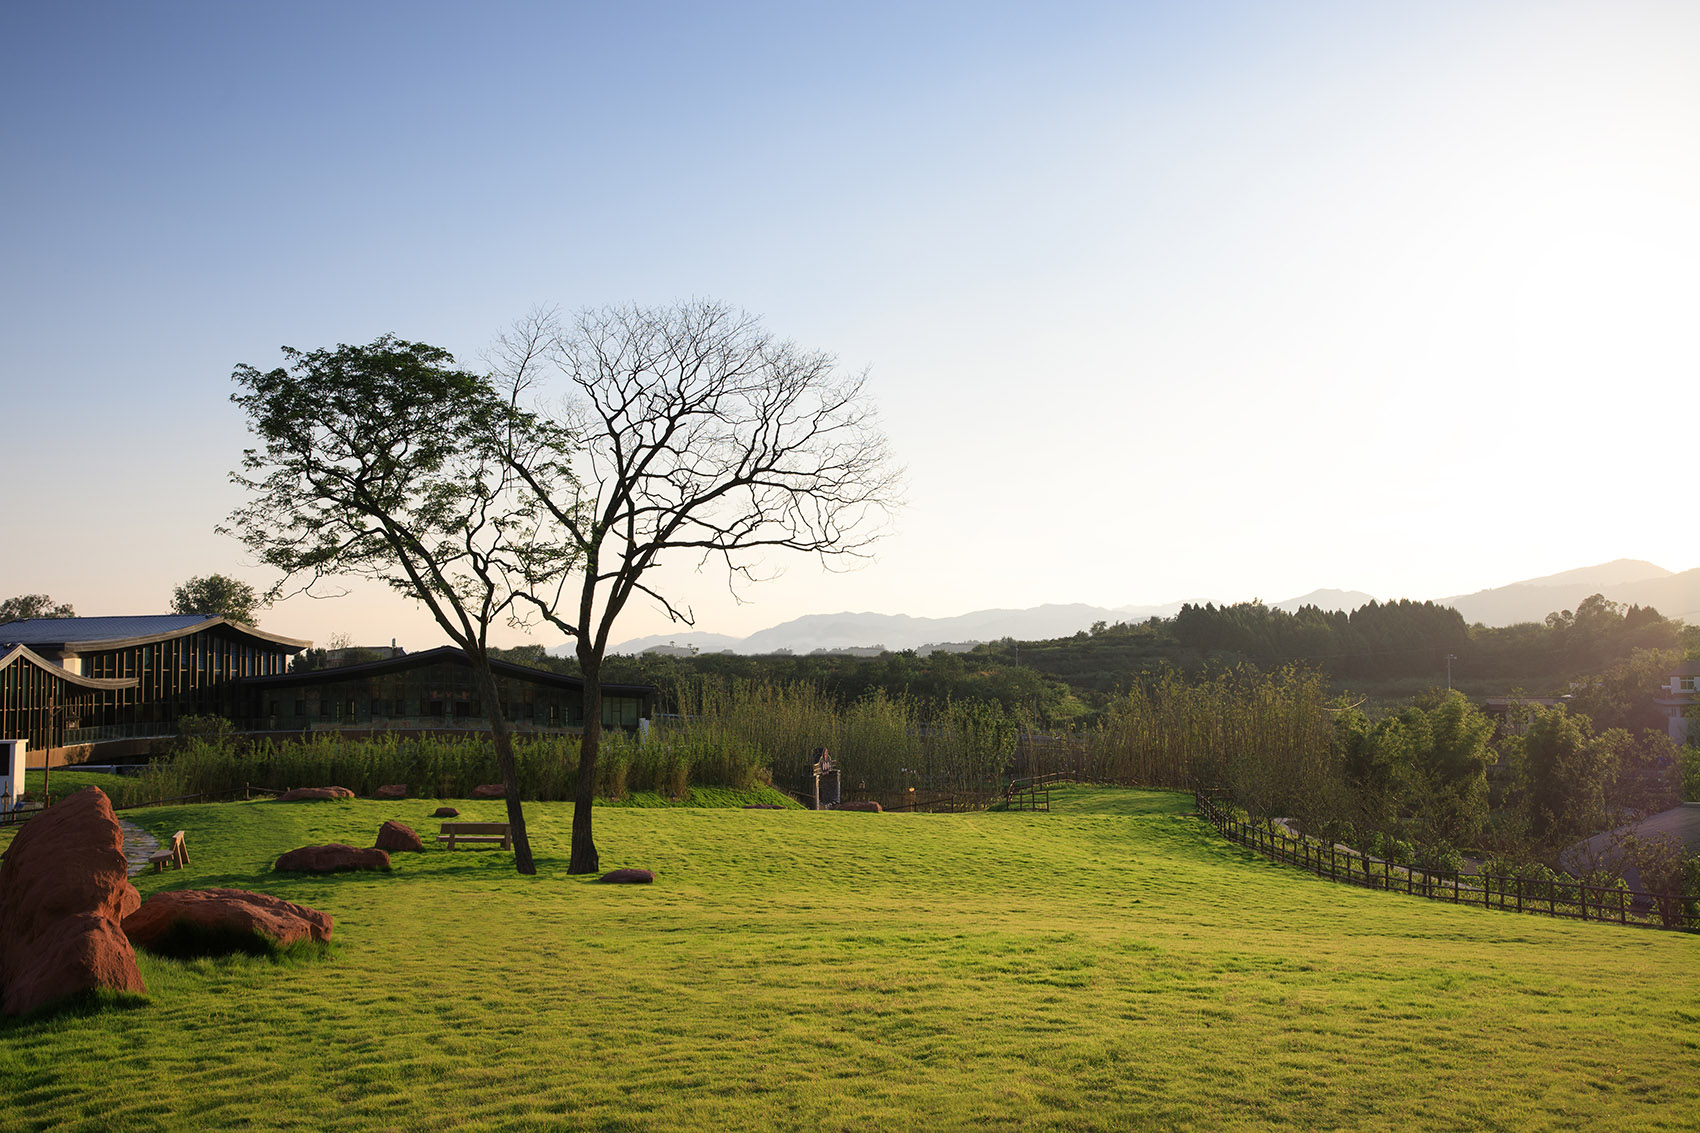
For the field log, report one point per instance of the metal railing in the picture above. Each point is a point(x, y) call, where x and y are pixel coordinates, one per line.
point(1551, 897)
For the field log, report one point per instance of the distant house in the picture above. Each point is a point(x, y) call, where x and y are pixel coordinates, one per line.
point(1510, 712)
point(430, 691)
point(1681, 697)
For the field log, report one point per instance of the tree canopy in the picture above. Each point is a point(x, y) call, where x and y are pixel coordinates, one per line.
point(387, 462)
point(217, 596)
point(24, 607)
point(697, 434)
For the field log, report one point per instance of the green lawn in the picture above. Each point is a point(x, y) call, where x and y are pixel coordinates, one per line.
point(1105, 966)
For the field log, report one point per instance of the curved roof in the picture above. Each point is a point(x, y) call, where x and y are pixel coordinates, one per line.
point(12, 651)
point(79, 635)
point(444, 653)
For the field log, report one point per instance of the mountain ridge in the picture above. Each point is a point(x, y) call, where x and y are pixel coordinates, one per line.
point(1630, 581)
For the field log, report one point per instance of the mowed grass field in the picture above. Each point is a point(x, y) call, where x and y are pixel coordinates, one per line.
point(1110, 965)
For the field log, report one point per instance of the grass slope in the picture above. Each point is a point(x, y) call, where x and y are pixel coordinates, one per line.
point(1106, 966)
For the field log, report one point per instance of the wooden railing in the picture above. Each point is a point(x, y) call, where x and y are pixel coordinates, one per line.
point(1553, 897)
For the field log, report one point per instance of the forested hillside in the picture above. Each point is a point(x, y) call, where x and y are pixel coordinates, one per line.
point(1605, 654)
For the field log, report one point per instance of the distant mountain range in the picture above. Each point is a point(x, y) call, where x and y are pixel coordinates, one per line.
point(1624, 580)
point(1630, 581)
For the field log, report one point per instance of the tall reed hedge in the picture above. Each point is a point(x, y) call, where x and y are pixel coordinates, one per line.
point(444, 766)
point(881, 742)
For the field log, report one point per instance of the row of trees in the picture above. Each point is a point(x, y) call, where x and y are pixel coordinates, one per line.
point(1439, 774)
point(687, 432)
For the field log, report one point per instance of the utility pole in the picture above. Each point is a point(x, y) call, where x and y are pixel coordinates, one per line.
point(1450, 657)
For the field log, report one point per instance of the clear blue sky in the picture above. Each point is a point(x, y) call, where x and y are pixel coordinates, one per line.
point(1159, 300)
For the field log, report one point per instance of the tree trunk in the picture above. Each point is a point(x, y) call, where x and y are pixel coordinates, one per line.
point(584, 857)
point(503, 741)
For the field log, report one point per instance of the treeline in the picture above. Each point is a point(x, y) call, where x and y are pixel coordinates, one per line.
point(1019, 691)
point(1440, 775)
point(1067, 682)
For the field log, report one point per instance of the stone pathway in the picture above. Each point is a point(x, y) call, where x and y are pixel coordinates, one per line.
point(138, 845)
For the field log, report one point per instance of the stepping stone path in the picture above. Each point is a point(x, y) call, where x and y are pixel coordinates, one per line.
point(138, 846)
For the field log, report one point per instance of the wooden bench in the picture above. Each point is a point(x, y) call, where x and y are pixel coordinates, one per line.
point(177, 854)
point(453, 832)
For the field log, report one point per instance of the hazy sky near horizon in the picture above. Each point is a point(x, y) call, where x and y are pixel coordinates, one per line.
point(1159, 301)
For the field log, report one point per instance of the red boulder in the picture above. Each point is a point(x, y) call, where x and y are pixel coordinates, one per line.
point(391, 791)
point(330, 858)
point(315, 794)
point(226, 913)
point(490, 791)
point(63, 892)
point(445, 812)
point(393, 837)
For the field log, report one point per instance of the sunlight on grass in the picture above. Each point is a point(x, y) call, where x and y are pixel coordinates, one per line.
point(1105, 966)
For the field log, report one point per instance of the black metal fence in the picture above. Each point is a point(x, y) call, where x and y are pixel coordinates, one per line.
point(1552, 897)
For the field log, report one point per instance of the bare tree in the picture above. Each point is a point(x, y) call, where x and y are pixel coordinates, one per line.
point(385, 462)
point(697, 433)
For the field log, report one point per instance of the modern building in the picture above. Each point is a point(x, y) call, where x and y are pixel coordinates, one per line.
point(1681, 702)
point(140, 675)
point(40, 701)
point(107, 688)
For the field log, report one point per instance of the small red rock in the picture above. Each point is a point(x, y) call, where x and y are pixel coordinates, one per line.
point(315, 794)
point(445, 812)
point(330, 858)
point(627, 877)
point(391, 791)
point(233, 910)
point(395, 837)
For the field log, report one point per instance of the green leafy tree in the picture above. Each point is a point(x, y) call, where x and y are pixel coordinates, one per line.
point(217, 596)
point(386, 462)
point(1570, 769)
point(1443, 756)
point(24, 607)
point(701, 436)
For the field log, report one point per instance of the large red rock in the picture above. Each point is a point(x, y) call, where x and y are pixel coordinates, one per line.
point(330, 858)
point(231, 913)
point(391, 791)
point(64, 890)
point(490, 791)
point(395, 837)
point(315, 794)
